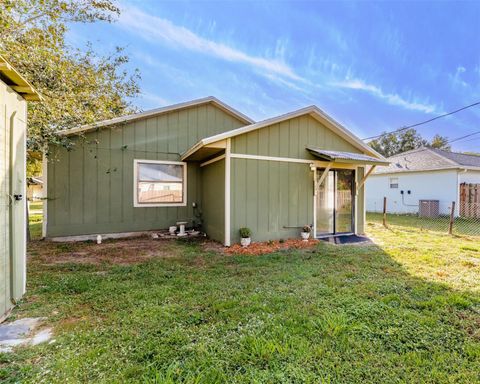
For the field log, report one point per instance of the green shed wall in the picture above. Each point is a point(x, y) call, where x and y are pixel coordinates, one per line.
point(270, 196)
point(90, 188)
point(13, 120)
point(213, 200)
point(290, 139)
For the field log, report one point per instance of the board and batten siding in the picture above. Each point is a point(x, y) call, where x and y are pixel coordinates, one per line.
point(90, 187)
point(275, 199)
point(13, 120)
point(290, 138)
point(213, 200)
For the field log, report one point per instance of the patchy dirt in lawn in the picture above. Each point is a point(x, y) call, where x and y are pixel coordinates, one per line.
point(261, 248)
point(140, 249)
point(119, 252)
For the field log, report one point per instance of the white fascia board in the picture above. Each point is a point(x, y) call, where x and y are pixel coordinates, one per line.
point(159, 111)
point(422, 170)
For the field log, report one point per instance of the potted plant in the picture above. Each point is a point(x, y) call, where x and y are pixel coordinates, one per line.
point(306, 232)
point(245, 234)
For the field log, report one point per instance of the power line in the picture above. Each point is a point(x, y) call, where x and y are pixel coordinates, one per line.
point(475, 138)
point(423, 122)
point(463, 137)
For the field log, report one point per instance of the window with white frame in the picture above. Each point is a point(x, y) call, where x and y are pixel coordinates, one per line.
point(393, 182)
point(160, 183)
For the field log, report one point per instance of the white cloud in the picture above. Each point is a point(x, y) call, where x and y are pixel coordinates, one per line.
point(154, 28)
point(390, 98)
point(152, 100)
point(456, 79)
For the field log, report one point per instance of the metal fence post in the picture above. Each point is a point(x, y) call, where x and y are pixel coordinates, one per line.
point(452, 219)
point(385, 212)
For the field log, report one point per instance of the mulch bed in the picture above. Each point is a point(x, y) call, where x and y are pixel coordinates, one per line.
point(261, 248)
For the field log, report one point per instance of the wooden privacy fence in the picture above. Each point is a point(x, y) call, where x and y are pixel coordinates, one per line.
point(470, 200)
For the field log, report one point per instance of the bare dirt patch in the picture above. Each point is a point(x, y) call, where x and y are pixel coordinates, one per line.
point(119, 252)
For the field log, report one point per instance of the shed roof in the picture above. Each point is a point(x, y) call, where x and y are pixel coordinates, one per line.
point(429, 159)
point(159, 111)
point(10, 76)
point(312, 110)
point(346, 157)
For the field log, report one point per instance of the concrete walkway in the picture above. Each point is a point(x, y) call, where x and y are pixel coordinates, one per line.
point(23, 332)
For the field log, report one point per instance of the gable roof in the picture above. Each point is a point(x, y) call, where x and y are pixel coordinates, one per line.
point(429, 159)
point(159, 111)
point(10, 76)
point(312, 110)
point(463, 159)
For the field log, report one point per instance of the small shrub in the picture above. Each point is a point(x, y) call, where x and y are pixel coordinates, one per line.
point(306, 228)
point(245, 232)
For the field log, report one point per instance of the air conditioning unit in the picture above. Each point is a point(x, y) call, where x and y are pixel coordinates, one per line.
point(429, 208)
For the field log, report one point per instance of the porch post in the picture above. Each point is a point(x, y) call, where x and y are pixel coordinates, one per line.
point(227, 193)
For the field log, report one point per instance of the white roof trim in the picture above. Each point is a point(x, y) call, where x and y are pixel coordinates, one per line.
point(313, 110)
point(159, 111)
point(449, 168)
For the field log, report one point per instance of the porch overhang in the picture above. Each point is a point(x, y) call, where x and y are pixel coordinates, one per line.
point(346, 157)
point(203, 152)
point(10, 76)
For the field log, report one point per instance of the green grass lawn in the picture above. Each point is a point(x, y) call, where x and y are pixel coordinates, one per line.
point(35, 223)
point(462, 226)
point(146, 311)
point(35, 205)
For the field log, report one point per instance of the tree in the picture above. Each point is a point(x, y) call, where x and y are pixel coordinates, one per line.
point(78, 87)
point(440, 142)
point(390, 144)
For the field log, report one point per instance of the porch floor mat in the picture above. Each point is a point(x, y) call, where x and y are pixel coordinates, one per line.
point(347, 239)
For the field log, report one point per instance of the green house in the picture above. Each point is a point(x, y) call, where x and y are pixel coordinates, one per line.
point(204, 163)
point(14, 93)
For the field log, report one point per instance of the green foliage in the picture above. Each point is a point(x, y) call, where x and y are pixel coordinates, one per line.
point(79, 86)
point(245, 232)
point(394, 143)
point(440, 142)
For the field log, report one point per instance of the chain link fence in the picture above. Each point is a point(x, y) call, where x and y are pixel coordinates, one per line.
point(432, 215)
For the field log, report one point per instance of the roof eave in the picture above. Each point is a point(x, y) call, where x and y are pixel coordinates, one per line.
point(157, 111)
point(311, 110)
point(19, 84)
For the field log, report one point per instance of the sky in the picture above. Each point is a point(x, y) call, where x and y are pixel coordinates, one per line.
point(372, 66)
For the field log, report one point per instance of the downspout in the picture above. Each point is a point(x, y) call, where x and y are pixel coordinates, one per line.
point(228, 151)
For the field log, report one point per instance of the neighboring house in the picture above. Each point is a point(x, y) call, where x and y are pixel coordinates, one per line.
point(14, 93)
point(34, 188)
point(209, 165)
point(434, 175)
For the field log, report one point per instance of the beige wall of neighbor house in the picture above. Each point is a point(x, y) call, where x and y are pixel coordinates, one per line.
point(35, 192)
